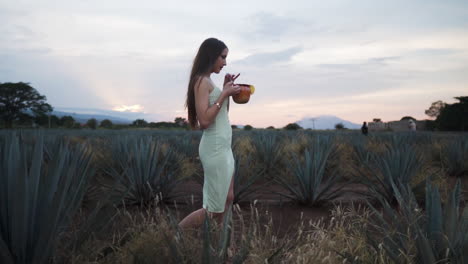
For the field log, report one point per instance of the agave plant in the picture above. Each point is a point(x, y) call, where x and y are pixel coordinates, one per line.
point(268, 151)
point(245, 176)
point(186, 145)
point(313, 179)
point(392, 228)
point(455, 157)
point(41, 188)
point(446, 230)
point(397, 164)
point(362, 154)
point(410, 234)
point(146, 171)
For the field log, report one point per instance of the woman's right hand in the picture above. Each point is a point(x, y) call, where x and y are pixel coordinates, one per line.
point(231, 89)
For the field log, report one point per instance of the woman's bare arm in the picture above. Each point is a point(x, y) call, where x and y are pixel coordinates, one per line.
point(206, 114)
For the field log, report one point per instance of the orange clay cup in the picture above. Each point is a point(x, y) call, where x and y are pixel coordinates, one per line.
point(244, 95)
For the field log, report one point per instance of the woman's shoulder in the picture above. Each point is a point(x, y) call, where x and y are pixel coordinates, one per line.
point(204, 83)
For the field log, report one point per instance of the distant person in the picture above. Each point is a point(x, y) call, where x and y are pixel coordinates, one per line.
point(364, 129)
point(412, 125)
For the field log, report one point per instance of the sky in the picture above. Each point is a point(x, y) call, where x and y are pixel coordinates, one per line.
point(357, 60)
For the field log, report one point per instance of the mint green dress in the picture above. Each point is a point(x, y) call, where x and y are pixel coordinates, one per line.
point(216, 157)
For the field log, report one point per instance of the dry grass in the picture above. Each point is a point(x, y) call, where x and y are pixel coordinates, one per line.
point(297, 145)
point(147, 237)
point(344, 159)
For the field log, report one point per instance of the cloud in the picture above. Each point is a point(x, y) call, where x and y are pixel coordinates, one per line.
point(268, 58)
point(128, 108)
point(269, 27)
point(371, 63)
point(126, 114)
point(436, 52)
point(96, 55)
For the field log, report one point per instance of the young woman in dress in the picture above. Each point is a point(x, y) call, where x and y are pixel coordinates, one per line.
point(208, 110)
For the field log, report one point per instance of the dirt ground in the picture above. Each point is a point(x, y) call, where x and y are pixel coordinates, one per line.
point(285, 214)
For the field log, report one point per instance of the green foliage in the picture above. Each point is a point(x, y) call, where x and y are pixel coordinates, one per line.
point(245, 176)
point(67, 121)
point(41, 188)
point(399, 163)
point(181, 122)
point(339, 126)
point(292, 126)
point(407, 118)
point(44, 120)
point(248, 127)
point(17, 99)
point(431, 125)
point(186, 144)
point(268, 151)
point(91, 123)
point(435, 109)
point(411, 235)
point(106, 123)
point(454, 156)
point(140, 123)
point(314, 180)
point(145, 170)
point(454, 117)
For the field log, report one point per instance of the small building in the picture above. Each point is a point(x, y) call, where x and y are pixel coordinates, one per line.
point(403, 125)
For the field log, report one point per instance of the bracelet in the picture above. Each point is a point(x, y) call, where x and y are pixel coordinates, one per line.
point(218, 105)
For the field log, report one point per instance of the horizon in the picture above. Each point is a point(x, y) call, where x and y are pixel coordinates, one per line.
point(95, 113)
point(354, 60)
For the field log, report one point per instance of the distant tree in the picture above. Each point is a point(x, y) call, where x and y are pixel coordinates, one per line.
point(77, 125)
point(41, 120)
point(181, 122)
point(162, 125)
point(248, 127)
point(376, 120)
point(270, 127)
point(18, 100)
point(435, 108)
point(339, 126)
point(67, 121)
point(454, 117)
point(407, 118)
point(292, 126)
point(106, 123)
point(234, 127)
point(140, 123)
point(91, 123)
point(47, 121)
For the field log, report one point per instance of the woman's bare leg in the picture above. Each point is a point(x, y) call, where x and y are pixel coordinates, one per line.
point(196, 218)
point(193, 220)
point(229, 202)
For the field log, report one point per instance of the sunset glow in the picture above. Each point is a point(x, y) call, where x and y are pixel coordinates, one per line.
point(357, 60)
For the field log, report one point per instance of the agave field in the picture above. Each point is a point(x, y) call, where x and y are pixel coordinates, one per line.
point(70, 196)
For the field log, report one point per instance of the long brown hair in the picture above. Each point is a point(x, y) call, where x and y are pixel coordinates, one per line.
point(203, 63)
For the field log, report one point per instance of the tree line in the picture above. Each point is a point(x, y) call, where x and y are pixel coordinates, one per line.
point(22, 105)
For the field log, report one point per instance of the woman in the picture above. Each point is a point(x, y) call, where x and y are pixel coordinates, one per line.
point(208, 109)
